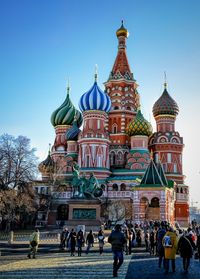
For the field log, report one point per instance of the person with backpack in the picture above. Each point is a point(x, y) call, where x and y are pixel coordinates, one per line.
point(185, 247)
point(170, 244)
point(34, 242)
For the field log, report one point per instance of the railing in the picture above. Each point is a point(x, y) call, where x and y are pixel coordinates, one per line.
point(120, 194)
point(45, 237)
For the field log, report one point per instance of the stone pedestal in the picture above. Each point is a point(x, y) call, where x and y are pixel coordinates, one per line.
point(84, 212)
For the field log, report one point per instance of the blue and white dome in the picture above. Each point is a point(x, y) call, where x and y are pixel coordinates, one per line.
point(95, 99)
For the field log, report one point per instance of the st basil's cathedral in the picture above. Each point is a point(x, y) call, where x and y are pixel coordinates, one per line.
point(138, 171)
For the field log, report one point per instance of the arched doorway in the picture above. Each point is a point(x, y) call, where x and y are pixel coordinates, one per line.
point(154, 209)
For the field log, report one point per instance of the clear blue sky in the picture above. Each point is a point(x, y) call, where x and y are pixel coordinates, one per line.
point(45, 42)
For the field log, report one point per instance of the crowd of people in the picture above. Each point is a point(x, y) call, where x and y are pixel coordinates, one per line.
point(69, 240)
point(159, 237)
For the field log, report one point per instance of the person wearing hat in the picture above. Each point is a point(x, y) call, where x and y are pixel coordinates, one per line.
point(117, 240)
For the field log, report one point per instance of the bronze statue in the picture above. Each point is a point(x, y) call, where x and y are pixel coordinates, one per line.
point(84, 188)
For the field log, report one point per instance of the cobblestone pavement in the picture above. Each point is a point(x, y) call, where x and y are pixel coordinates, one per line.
point(54, 265)
point(144, 266)
point(60, 265)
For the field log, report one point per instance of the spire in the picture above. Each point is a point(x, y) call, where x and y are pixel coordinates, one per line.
point(121, 68)
point(68, 87)
point(96, 73)
point(165, 79)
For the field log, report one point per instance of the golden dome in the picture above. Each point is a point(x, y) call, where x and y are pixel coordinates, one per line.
point(122, 31)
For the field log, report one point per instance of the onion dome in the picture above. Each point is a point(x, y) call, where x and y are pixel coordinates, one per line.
point(122, 31)
point(165, 105)
point(64, 115)
point(95, 99)
point(139, 126)
point(72, 133)
point(47, 166)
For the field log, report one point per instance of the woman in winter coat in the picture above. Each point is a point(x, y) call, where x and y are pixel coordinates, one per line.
point(170, 250)
point(185, 247)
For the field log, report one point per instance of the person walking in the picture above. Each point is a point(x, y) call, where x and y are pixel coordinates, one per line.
point(63, 238)
point(72, 240)
point(146, 239)
point(89, 241)
point(101, 238)
point(117, 240)
point(152, 238)
point(198, 243)
point(34, 242)
point(80, 241)
point(160, 249)
point(185, 247)
point(139, 237)
point(170, 243)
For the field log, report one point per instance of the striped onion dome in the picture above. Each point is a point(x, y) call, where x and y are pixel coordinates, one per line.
point(64, 115)
point(139, 126)
point(95, 99)
point(165, 105)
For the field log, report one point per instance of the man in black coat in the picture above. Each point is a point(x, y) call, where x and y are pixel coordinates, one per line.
point(117, 240)
point(185, 247)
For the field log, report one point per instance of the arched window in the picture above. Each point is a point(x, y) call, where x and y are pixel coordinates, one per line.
point(114, 129)
point(115, 187)
point(112, 158)
point(181, 191)
point(116, 107)
point(122, 187)
point(119, 156)
point(155, 202)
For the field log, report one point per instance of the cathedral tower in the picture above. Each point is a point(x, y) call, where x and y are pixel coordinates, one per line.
point(122, 89)
point(167, 146)
point(63, 120)
point(94, 139)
